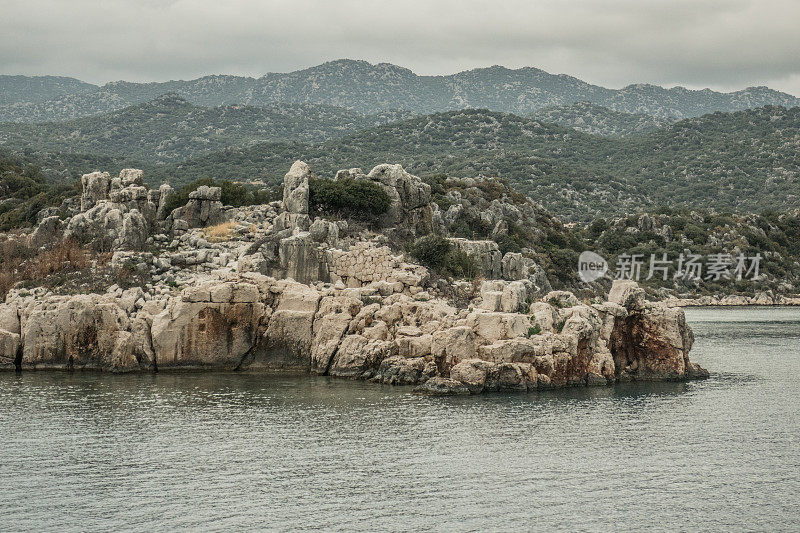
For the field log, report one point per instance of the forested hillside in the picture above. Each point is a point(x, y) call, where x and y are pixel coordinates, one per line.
point(598, 120)
point(742, 162)
point(169, 129)
point(15, 89)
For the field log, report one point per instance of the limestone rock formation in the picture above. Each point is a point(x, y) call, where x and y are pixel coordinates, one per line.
point(296, 189)
point(96, 187)
point(204, 208)
point(117, 213)
point(410, 197)
point(281, 292)
point(252, 322)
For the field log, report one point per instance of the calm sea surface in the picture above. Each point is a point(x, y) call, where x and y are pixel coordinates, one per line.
point(93, 452)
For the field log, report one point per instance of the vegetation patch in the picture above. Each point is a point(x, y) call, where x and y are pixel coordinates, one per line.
point(348, 198)
point(219, 233)
point(536, 329)
point(31, 266)
point(442, 256)
point(24, 192)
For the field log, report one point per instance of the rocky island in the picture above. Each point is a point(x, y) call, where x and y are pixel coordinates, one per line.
point(284, 287)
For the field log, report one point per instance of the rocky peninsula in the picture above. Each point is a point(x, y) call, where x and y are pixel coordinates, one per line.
point(278, 287)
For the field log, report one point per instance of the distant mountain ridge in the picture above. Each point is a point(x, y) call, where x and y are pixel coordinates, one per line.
point(368, 89)
point(15, 89)
point(169, 129)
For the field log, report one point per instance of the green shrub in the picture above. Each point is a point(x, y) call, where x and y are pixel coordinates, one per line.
point(469, 227)
point(515, 240)
point(348, 198)
point(597, 227)
point(460, 264)
point(697, 234)
point(432, 251)
point(440, 255)
point(616, 242)
point(534, 330)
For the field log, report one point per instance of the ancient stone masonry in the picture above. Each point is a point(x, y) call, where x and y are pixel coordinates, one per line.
point(365, 263)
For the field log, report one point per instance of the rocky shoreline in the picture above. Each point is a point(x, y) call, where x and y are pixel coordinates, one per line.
point(289, 292)
point(253, 322)
point(759, 300)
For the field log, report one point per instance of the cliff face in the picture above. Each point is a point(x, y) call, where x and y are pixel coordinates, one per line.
point(255, 322)
point(282, 292)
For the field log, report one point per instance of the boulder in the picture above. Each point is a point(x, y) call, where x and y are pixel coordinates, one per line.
point(485, 253)
point(472, 373)
point(358, 356)
point(131, 176)
point(516, 296)
point(49, 230)
point(450, 346)
point(96, 187)
point(491, 327)
point(653, 345)
point(515, 266)
point(9, 349)
point(410, 207)
point(296, 189)
point(81, 332)
point(160, 200)
point(287, 341)
point(397, 370)
point(302, 260)
point(9, 317)
point(628, 294)
point(204, 208)
point(331, 322)
point(561, 298)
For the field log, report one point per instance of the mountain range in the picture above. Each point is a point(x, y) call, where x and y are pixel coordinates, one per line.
point(744, 161)
point(581, 150)
point(169, 129)
point(370, 89)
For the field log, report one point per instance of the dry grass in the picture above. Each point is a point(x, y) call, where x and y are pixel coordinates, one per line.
point(220, 232)
point(23, 263)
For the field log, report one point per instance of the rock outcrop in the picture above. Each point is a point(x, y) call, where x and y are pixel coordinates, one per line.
point(410, 197)
point(254, 322)
point(296, 189)
point(204, 208)
point(116, 213)
point(272, 289)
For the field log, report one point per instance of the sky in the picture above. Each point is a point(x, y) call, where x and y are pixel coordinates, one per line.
point(721, 44)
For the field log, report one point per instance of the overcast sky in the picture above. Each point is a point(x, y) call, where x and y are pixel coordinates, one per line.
point(721, 44)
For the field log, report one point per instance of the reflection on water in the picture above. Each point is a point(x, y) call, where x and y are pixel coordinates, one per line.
point(220, 451)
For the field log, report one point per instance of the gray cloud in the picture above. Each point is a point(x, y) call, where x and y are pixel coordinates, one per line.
point(722, 44)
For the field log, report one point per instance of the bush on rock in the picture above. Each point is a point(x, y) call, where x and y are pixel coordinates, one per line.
point(348, 198)
point(440, 255)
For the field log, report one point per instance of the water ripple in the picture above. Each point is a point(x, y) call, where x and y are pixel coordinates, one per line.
point(91, 452)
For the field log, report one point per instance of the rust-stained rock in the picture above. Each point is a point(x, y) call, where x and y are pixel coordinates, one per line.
point(253, 322)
